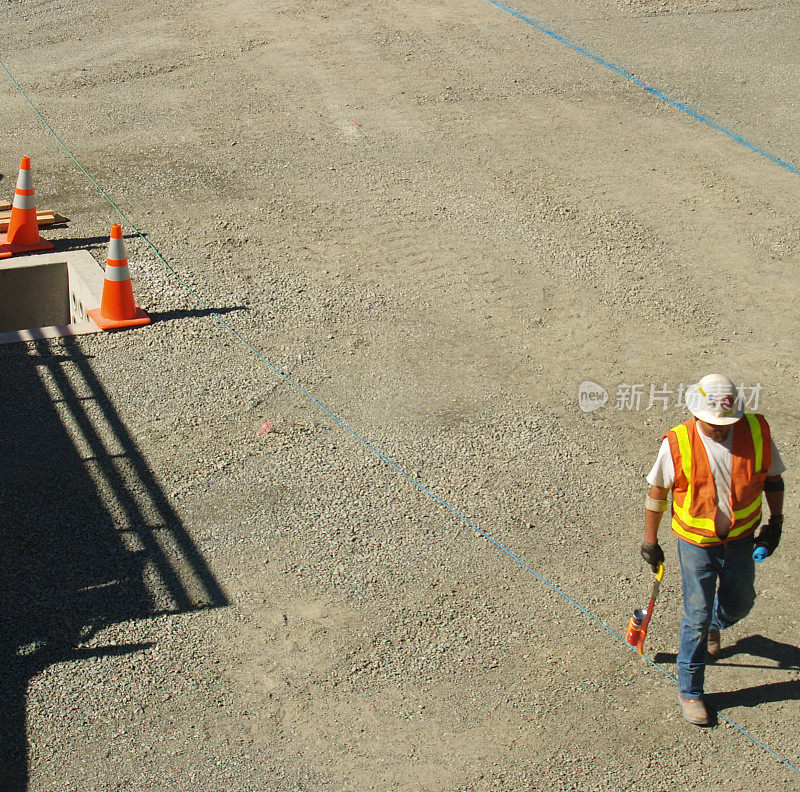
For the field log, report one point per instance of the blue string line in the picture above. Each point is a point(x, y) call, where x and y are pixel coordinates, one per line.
point(360, 439)
point(682, 107)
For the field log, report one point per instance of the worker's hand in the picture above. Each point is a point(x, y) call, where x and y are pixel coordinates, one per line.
point(653, 554)
point(770, 534)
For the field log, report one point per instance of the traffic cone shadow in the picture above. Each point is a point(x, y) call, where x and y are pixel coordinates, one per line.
point(23, 227)
point(117, 307)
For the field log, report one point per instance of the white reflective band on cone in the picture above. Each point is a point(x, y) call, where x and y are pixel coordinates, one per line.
point(25, 180)
point(117, 273)
point(116, 249)
point(24, 201)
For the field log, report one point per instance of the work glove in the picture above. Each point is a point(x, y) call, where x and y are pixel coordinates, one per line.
point(770, 534)
point(653, 554)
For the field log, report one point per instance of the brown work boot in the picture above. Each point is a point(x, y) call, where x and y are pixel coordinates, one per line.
point(714, 644)
point(694, 710)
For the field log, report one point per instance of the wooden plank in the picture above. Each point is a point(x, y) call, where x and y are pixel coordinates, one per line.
point(45, 214)
point(41, 214)
point(46, 217)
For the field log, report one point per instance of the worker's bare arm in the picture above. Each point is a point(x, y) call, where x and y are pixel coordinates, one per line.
point(652, 519)
point(773, 495)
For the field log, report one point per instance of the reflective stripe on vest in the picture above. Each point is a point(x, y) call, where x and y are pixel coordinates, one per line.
point(694, 502)
point(758, 440)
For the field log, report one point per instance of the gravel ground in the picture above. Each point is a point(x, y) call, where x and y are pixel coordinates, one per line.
point(438, 221)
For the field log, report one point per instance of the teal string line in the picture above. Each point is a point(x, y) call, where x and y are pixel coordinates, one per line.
point(678, 105)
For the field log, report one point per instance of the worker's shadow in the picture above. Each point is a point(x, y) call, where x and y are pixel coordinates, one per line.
point(783, 656)
point(753, 696)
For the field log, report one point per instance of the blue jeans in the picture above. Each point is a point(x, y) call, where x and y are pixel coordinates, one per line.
point(705, 608)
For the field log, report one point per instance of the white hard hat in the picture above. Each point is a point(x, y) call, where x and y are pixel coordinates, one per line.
point(714, 400)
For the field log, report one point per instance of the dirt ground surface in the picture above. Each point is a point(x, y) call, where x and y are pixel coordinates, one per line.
point(437, 221)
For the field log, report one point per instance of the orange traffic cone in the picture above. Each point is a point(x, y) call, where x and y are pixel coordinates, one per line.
point(23, 227)
point(117, 308)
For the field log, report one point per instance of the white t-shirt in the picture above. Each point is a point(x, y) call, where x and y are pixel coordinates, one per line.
point(719, 458)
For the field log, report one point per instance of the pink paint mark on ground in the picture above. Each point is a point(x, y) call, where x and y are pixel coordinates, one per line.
point(265, 427)
point(353, 121)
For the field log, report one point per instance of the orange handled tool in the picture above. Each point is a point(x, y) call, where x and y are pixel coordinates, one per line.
point(637, 626)
point(653, 595)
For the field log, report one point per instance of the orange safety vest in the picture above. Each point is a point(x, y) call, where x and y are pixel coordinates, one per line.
point(694, 494)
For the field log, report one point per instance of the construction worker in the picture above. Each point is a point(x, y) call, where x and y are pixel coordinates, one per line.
point(717, 465)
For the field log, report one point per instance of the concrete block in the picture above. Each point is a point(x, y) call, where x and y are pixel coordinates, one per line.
point(48, 295)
